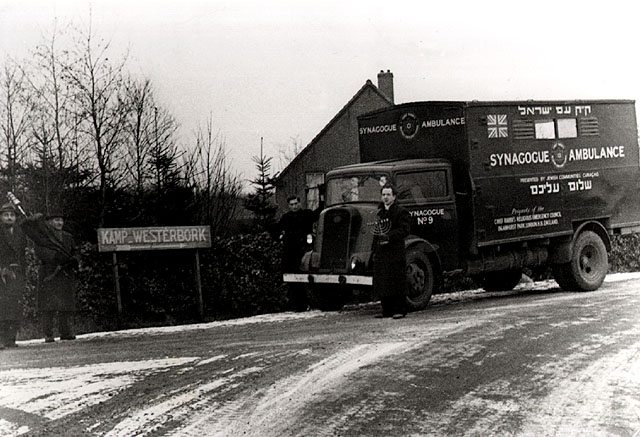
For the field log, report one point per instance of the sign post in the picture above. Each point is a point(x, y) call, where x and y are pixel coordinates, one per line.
point(116, 277)
point(199, 286)
point(155, 238)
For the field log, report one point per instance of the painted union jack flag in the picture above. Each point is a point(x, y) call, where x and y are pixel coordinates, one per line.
point(497, 126)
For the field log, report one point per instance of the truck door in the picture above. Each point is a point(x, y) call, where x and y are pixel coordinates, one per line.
point(429, 197)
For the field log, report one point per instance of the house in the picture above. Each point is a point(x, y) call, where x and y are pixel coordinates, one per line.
point(335, 145)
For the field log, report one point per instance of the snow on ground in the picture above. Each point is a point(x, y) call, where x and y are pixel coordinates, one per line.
point(599, 400)
point(274, 410)
point(147, 420)
point(614, 379)
point(523, 286)
point(264, 318)
point(54, 392)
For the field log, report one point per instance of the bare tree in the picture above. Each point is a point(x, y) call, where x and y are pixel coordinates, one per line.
point(152, 152)
point(287, 152)
point(139, 131)
point(53, 96)
point(100, 105)
point(60, 155)
point(217, 188)
point(15, 120)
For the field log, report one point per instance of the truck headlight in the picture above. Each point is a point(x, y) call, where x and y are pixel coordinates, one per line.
point(356, 263)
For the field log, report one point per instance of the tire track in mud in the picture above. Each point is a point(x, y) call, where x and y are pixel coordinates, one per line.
point(504, 398)
point(277, 410)
point(54, 393)
point(202, 386)
point(371, 406)
point(572, 409)
point(274, 410)
point(567, 384)
point(148, 420)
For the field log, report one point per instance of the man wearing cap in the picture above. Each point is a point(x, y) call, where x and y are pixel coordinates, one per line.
point(12, 275)
point(57, 252)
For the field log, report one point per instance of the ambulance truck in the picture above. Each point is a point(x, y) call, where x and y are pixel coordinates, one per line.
point(492, 188)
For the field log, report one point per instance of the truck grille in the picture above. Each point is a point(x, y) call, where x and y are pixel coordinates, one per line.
point(335, 241)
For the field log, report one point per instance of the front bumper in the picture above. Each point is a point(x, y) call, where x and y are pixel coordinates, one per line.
point(313, 278)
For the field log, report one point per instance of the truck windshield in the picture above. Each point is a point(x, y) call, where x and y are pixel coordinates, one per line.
point(355, 188)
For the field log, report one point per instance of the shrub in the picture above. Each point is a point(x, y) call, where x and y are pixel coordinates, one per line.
point(625, 253)
point(242, 276)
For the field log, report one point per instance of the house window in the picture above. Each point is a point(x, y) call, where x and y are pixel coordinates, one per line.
point(313, 183)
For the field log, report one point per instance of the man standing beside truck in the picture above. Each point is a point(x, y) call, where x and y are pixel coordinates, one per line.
point(389, 254)
point(293, 228)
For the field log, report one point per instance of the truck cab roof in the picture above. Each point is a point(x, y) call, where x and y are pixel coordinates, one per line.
point(388, 166)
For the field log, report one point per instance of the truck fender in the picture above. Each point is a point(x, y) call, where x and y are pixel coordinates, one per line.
point(561, 252)
point(413, 241)
point(596, 227)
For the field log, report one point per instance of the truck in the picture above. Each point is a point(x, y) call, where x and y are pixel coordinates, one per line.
point(493, 188)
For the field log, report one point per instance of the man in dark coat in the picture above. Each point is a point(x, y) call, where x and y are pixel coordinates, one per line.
point(57, 252)
point(293, 227)
point(389, 254)
point(12, 275)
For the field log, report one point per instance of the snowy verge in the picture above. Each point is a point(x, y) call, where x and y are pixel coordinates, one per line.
point(288, 316)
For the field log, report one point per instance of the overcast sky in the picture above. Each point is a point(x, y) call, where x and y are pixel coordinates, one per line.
point(283, 69)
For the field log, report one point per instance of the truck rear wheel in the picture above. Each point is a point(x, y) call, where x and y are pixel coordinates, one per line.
point(588, 266)
point(501, 281)
point(420, 280)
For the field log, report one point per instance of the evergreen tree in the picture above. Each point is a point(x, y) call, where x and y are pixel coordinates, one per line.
point(259, 202)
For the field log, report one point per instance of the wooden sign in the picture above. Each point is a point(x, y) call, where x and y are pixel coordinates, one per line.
point(153, 238)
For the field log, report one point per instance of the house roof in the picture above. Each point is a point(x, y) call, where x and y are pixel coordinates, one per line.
point(368, 85)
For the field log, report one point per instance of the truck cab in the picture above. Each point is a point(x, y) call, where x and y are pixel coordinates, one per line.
point(342, 253)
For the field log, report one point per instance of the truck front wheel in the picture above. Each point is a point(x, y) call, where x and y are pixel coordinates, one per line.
point(588, 266)
point(420, 280)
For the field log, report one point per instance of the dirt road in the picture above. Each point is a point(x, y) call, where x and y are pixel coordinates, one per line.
point(536, 361)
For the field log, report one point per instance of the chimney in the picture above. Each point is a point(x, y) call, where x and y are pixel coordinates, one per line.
point(385, 84)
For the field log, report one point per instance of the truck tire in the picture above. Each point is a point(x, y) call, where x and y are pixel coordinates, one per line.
point(588, 266)
point(327, 297)
point(501, 281)
point(562, 275)
point(420, 280)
